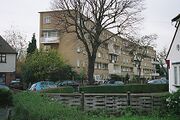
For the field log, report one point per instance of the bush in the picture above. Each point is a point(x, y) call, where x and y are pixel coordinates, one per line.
point(124, 88)
point(173, 103)
point(5, 97)
point(60, 90)
point(36, 106)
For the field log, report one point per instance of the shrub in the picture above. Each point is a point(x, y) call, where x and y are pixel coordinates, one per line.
point(128, 111)
point(60, 90)
point(147, 88)
point(173, 103)
point(5, 97)
point(36, 106)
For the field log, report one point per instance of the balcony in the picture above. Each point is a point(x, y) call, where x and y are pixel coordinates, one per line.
point(155, 74)
point(154, 62)
point(113, 50)
point(114, 69)
point(49, 40)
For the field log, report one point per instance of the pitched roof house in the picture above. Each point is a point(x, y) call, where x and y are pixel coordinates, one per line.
point(173, 58)
point(7, 62)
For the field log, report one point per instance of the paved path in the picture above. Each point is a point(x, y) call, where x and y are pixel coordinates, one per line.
point(3, 113)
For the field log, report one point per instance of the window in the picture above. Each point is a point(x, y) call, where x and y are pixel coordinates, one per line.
point(2, 58)
point(45, 34)
point(53, 34)
point(78, 63)
point(175, 75)
point(47, 47)
point(99, 54)
point(179, 76)
point(78, 49)
point(84, 63)
point(2, 77)
point(178, 47)
point(95, 65)
point(47, 19)
point(145, 64)
point(113, 58)
point(48, 34)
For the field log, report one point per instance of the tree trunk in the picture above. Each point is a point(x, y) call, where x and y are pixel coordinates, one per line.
point(91, 62)
point(139, 71)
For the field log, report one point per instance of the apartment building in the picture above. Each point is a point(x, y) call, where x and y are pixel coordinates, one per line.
point(111, 58)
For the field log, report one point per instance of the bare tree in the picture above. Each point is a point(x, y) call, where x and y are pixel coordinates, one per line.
point(90, 18)
point(17, 41)
point(138, 49)
point(161, 56)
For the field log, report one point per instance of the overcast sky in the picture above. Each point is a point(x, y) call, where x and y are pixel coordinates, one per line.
point(23, 15)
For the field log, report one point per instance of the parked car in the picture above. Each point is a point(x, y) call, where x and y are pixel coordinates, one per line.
point(113, 83)
point(98, 82)
point(67, 83)
point(3, 86)
point(158, 81)
point(16, 84)
point(42, 85)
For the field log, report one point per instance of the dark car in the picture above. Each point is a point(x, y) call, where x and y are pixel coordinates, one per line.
point(113, 83)
point(16, 84)
point(158, 81)
point(67, 83)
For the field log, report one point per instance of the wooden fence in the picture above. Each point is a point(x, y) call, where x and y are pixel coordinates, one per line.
point(110, 102)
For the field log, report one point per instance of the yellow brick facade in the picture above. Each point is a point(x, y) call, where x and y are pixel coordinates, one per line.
point(74, 53)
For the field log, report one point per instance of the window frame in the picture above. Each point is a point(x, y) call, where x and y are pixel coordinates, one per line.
point(47, 20)
point(2, 55)
point(176, 73)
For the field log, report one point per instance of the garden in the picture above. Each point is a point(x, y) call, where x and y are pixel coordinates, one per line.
point(38, 106)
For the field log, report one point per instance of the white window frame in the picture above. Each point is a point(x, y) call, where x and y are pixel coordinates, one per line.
point(176, 73)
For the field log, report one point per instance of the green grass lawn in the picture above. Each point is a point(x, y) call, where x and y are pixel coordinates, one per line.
point(135, 118)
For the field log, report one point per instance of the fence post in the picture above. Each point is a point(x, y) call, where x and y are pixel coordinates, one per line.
point(128, 98)
point(82, 101)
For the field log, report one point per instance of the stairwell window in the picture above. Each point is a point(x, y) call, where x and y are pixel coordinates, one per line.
point(2, 58)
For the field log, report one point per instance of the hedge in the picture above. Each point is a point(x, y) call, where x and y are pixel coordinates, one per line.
point(59, 90)
point(5, 97)
point(146, 88)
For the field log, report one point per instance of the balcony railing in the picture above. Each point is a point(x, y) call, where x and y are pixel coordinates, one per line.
point(154, 62)
point(49, 40)
point(112, 50)
point(114, 69)
point(155, 74)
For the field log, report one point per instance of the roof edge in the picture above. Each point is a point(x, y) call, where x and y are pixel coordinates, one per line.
point(172, 40)
point(177, 18)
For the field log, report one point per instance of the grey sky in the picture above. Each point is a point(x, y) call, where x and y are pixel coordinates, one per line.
point(23, 15)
